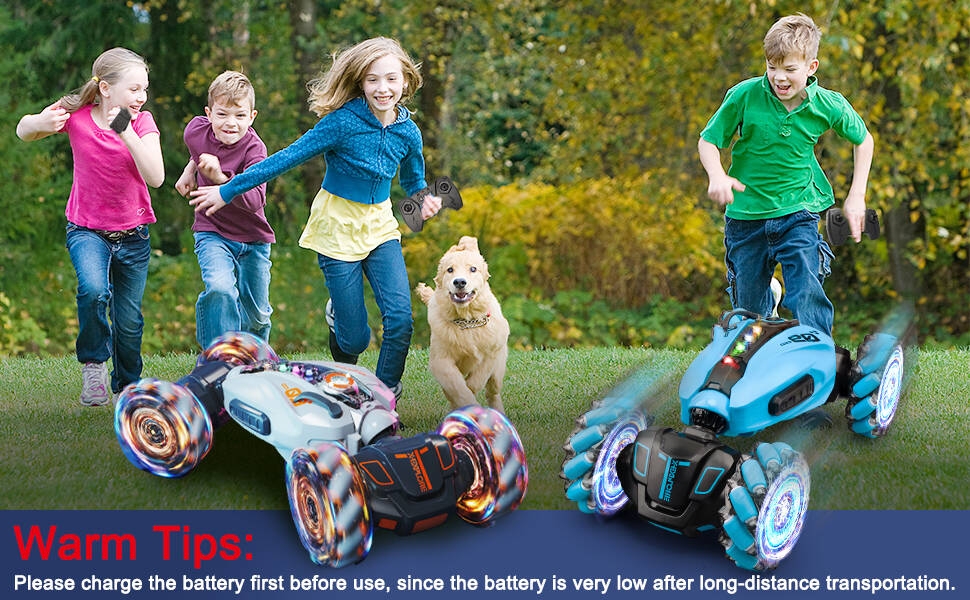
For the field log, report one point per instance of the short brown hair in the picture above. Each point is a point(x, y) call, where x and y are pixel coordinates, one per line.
point(793, 35)
point(233, 88)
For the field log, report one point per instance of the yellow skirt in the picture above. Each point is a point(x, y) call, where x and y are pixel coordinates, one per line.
point(347, 230)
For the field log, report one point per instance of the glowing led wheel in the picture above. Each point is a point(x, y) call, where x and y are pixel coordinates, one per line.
point(590, 460)
point(238, 348)
point(877, 385)
point(765, 507)
point(589, 467)
point(329, 505)
point(501, 475)
point(605, 489)
point(162, 428)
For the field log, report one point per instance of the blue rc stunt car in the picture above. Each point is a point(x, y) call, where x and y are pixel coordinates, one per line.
point(756, 372)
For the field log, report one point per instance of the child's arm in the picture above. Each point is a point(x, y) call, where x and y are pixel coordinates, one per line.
point(47, 122)
point(854, 208)
point(145, 150)
point(721, 186)
point(186, 182)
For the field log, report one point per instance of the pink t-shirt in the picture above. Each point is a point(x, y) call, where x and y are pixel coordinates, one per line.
point(108, 191)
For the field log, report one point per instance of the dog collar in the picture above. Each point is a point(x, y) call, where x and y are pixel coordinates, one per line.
point(470, 323)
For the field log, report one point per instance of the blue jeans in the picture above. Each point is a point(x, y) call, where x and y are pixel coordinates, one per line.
point(236, 295)
point(111, 280)
point(754, 248)
point(388, 277)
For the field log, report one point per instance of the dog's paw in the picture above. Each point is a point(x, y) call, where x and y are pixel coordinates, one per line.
point(424, 292)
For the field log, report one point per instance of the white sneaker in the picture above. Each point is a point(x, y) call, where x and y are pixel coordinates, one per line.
point(328, 314)
point(776, 293)
point(95, 387)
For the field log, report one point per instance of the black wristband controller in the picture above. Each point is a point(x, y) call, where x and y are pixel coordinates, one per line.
point(121, 120)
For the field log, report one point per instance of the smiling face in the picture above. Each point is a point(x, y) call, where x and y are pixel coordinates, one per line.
point(129, 91)
point(463, 273)
point(383, 86)
point(230, 121)
point(789, 78)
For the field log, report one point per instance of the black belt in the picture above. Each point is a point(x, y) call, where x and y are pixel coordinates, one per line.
point(115, 236)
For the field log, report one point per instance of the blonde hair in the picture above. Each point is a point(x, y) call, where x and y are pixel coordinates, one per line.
point(794, 35)
point(108, 67)
point(343, 81)
point(233, 88)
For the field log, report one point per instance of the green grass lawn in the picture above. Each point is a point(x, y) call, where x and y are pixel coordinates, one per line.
point(54, 454)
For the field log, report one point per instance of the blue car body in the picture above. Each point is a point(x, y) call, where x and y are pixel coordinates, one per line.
point(756, 373)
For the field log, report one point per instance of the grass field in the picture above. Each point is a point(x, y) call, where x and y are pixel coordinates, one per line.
point(54, 454)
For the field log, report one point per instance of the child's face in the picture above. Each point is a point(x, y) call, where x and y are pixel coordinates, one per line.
point(130, 91)
point(383, 87)
point(230, 121)
point(789, 77)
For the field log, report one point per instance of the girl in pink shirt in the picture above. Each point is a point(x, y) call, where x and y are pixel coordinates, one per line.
point(117, 155)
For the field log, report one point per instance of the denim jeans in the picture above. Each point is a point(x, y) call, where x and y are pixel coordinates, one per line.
point(236, 295)
point(385, 271)
point(754, 248)
point(111, 280)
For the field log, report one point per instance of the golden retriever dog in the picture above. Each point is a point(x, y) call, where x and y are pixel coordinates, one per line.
point(469, 335)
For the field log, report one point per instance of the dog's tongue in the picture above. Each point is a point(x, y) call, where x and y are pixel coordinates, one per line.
point(461, 295)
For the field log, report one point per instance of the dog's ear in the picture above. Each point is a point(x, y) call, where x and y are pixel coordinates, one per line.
point(440, 275)
point(468, 242)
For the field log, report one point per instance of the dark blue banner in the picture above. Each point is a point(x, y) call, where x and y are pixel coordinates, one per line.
point(527, 554)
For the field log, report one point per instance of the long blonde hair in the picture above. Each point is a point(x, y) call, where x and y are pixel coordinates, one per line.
point(343, 81)
point(108, 67)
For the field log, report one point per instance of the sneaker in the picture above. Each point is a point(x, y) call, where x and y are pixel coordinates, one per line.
point(95, 387)
point(335, 351)
point(776, 294)
point(397, 390)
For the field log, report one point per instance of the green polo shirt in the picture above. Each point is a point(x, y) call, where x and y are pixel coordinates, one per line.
point(774, 154)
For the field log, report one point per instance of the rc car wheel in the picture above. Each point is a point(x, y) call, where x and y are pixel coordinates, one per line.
point(597, 488)
point(876, 384)
point(765, 507)
point(611, 423)
point(501, 474)
point(329, 505)
point(606, 491)
point(162, 428)
point(238, 348)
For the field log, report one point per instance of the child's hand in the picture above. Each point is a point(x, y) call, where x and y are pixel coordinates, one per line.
point(207, 200)
point(210, 166)
point(114, 113)
point(721, 189)
point(430, 206)
point(186, 182)
point(854, 211)
point(55, 117)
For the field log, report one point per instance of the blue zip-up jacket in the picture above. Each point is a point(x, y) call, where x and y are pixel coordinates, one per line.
point(362, 156)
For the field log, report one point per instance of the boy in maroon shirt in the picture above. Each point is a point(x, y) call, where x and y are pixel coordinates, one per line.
point(233, 245)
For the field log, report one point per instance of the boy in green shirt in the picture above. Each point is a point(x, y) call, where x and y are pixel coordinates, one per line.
point(775, 188)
